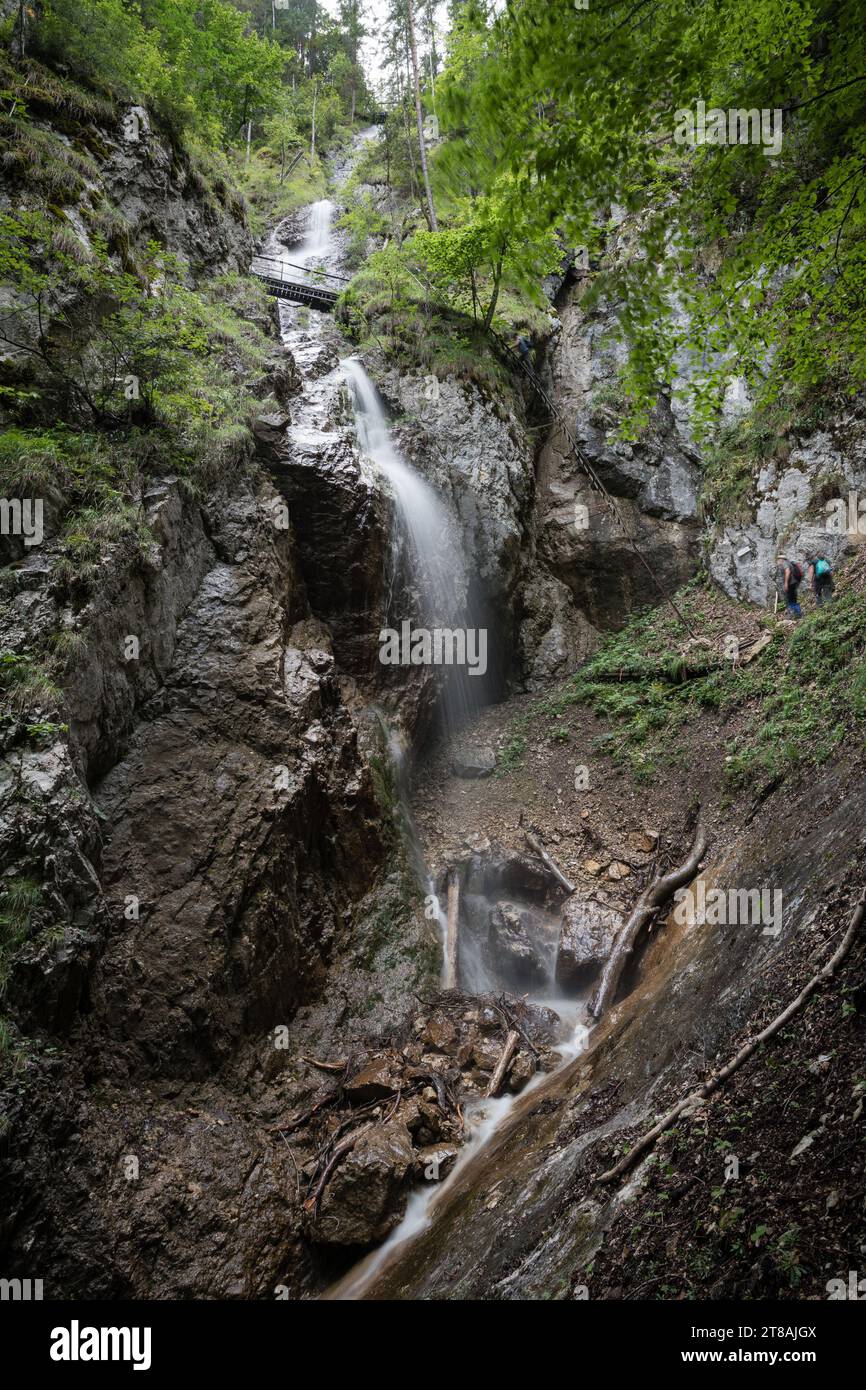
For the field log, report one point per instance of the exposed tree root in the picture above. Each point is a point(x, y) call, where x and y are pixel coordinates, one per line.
point(651, 899)
point(710, 1086)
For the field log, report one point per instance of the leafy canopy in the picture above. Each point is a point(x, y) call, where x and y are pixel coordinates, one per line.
point(194, 61)
point(764, 258)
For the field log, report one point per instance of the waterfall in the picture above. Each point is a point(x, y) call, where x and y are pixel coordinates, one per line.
point(316, 245)
point(436, 565)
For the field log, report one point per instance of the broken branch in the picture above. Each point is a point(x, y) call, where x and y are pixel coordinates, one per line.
point(650, 900)
point(548, 862)
point(324, 1066)
point(511, 1044)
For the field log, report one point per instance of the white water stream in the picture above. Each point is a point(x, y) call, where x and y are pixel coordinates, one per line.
point(436, 564)
point(484, 1119)
point(436, 577)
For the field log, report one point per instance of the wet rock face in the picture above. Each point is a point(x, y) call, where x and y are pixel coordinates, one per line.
point(244, 761)
point(146, 602)
point(518, 946)
point(509, 922)
point(341, 523)
point(790, 511)
point(586, 939)
point(45, 821)
point(479, 456)
point(654, 483)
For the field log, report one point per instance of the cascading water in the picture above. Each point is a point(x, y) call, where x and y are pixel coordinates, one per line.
point(429, 558)
point(314, 250)
point(318, 240)
point(436, 566)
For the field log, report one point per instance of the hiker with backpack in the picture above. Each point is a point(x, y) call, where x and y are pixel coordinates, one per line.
point(820, 575)
point(789, 577)
point(524, 347)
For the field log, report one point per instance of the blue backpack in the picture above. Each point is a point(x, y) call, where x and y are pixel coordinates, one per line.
point(822, 567)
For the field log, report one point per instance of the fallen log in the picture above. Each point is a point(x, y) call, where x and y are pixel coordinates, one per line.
point(549, 863)
point(512, 1042)
point(452, 930)
point(651, 899)
point(710, 1086)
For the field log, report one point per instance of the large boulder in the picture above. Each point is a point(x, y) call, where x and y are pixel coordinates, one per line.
point(473, 760)
point(366, 1197)
point(520, 949)
point(586, 936)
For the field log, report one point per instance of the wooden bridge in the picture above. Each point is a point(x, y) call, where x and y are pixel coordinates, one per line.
point(277, 278)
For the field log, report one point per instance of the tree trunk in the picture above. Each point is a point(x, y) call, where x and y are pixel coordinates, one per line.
point(452, 930)
point(419, 116)
point(412, 164)
point(491, 308)
point(313, 137)
point(434, 59)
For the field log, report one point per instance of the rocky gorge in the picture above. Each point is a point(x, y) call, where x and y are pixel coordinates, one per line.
point(255, 841)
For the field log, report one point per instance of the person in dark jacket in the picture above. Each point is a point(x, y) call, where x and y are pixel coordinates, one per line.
point(820, 575)
point(789, 577)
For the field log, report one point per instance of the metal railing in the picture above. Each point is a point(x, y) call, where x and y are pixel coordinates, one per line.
point(306, 269)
